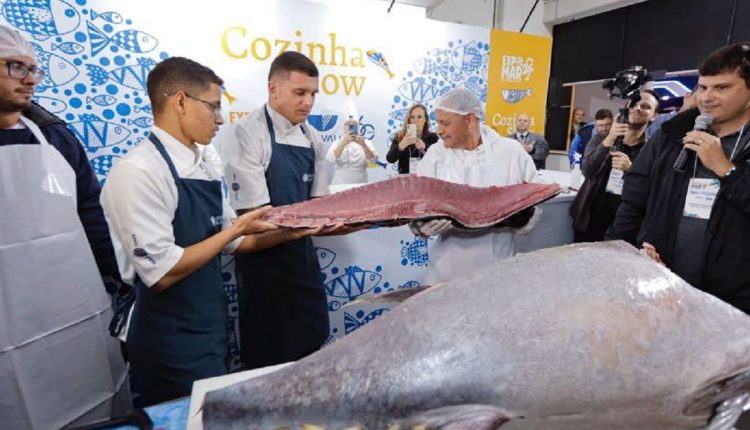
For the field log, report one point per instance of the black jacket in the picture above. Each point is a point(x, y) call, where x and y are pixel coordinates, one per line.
point(429, 138)
point(653, 199)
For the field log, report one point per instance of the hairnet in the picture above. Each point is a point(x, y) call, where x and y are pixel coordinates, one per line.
point(12, 44)
point(460, 101)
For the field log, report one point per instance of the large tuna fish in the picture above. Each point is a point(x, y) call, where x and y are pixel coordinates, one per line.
point(580, 337)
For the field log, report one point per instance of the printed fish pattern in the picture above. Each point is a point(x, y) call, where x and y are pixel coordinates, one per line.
point(133, 76)
point(326, 257)
point(353, 283)
point(96, 133)
point(51, 104)
point(379, 60)
point(353, 322)
point(110, 17)
point(130, 40)
point(414, 253)
point(515, 96)
point(59, 71)
point(41, 18)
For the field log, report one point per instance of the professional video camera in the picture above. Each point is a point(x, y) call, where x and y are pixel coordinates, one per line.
point(626, 85)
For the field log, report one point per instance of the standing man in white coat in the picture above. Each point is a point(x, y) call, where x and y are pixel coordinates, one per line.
point(273, 156)
point(473, 154)
point(58, 365)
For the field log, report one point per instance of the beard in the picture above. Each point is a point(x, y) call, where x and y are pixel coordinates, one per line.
point(14, 105)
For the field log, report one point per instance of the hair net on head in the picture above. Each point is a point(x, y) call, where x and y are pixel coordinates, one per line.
point(12, 44)
point(460, 101)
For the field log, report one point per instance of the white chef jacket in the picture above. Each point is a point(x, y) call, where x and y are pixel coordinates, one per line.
point(246, 154)
point(497, 161)
point(139, 199)
point(351, 166)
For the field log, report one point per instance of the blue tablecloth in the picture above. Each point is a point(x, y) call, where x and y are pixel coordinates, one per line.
point(167, 416)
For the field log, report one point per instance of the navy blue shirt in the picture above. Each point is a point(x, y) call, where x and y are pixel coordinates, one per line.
point(87, 186)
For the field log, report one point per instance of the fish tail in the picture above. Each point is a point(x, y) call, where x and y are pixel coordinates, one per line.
point(94, 15)
point(98, 39)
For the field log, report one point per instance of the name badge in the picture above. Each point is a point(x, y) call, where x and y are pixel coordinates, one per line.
point(701, 195)
point(615, 182)
point(308, 177)
point(413, 162)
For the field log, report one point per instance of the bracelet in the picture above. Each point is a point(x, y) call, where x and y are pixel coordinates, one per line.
point(730, 171)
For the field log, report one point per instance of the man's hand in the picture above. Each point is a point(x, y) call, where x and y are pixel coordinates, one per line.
point(250, 223)
point(620, 161)
point(616, 131)
point(709, 151)
point(431, 228)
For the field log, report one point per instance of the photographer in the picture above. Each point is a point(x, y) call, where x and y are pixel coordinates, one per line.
point(695, 217)
point(604, 165)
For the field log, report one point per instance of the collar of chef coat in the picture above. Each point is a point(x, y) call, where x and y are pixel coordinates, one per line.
point(185, 159)
point(283, 125)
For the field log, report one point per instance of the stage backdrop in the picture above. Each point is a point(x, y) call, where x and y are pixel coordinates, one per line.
point(374, 65)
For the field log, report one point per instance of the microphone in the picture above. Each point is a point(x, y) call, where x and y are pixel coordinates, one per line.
point(702, 123)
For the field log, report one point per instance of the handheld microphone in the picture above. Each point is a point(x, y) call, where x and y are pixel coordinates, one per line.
point(702, 123)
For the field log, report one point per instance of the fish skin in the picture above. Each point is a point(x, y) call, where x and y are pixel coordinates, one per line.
point(623, 346)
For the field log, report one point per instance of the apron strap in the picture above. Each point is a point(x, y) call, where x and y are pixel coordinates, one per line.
point(160, 147)
point(35, 130)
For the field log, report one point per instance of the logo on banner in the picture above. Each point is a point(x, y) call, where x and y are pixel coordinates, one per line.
point(515, 96)
point(517, 69)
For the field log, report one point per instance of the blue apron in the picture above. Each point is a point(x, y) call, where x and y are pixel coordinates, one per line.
point(179, 335)
point(283, 308)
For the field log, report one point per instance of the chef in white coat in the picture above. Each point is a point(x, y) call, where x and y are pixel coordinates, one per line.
point(350, 156)
point(471, 153)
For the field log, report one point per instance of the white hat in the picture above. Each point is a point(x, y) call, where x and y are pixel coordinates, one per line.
point(12, 44)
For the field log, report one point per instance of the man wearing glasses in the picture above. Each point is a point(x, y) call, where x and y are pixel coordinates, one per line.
point(169, 216)
point(55, 249)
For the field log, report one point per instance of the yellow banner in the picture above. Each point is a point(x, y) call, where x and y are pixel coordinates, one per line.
point(517, 80)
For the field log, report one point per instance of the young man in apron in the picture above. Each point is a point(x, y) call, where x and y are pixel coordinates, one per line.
point(58, 365)
point(170, 217)
point(273, 156)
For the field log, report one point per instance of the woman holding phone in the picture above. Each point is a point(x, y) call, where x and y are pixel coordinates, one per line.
point(350, 155)
point(411, 142)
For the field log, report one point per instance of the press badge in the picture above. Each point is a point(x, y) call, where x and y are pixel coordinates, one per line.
point(615, 182)
point(701, 195)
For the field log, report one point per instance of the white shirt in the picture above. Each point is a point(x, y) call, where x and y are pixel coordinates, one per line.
point(497, 161)
point(139, 200)
point(246, 153)
point(351, 166)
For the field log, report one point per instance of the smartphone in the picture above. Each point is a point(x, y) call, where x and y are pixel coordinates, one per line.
point(411, 130)
point(353, 129)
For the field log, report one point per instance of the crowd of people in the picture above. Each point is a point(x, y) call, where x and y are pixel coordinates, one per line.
point(156, 230)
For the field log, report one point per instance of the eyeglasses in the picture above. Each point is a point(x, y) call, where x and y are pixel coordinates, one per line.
point(18, 70)
point(215, 107)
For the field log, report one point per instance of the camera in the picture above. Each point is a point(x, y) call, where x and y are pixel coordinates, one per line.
point(626, 85)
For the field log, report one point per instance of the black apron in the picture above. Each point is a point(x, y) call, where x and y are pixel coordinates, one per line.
point(179, 335)
point(283, 305)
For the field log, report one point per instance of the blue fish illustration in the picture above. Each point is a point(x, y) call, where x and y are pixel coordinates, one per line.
point(322, 122)
point(353, 322)
point(478, 86)
point(131, 40)
point(515, 96)
point(409, 284)
point(467, 57)
point(111, 17)
point(144, 108)
point(101, 100)
point(418, 90)
point(41, 18)
point(96, 133)
point(143, 122)
point(51, 104)
point(414, 253)
point(325, 257)
point(133, 76)
point(59, 70)
point(353, 283)
point(103, 164)
point(70, 48)
point(399, 114)
point(430, 66)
